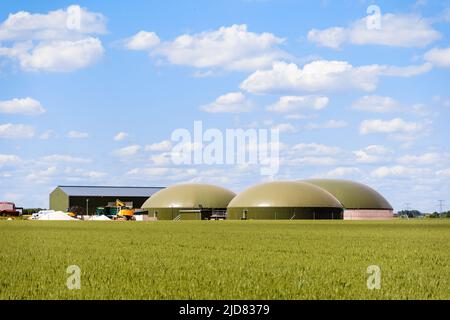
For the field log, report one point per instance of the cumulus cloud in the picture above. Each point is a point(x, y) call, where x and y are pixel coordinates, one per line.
point(295, 103)
point(47, 134)
point(233, 102)
point(149, 171)
point(64, 158)
point(398, 171)
point(165, 173)
point(8, 159)
point(229, 48)
point(26, 106)
point(120, 136)
point(396, 125)
point(16, 131)
point(323, 75)
point(377, 104)
point(142, 40)
point(439, 57)
point(397, 30)
point(423, 159)
point(444, 172)
point(342, 171)
point(164, 145)
point(330, 124)
point(62, 56)
point(59, 41)
point(315, 149)
point(58, 24)
point(313, 161)
point(77, 134)
point(371, 154)
point(284, 128)
point(128, 151)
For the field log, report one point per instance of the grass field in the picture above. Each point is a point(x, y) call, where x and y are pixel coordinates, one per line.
point(225, 259)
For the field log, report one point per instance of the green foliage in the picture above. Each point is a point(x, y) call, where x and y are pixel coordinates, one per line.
point(225, 259)
point(30, 211)
point(410, 213)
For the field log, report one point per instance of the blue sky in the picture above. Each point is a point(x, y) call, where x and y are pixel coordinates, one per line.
point(96, 102)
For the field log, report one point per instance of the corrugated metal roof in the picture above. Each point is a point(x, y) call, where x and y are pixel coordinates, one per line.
point(110, 191)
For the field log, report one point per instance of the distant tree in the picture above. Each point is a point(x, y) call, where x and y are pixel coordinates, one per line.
point(29, 211)
point(435, 215)
point(410, 213)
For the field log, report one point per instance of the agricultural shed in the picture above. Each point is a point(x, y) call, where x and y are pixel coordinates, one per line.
point(90, 197)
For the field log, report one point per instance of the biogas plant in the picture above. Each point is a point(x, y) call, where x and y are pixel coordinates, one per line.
point(314, 199)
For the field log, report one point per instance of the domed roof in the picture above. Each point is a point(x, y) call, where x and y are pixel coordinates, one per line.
point(352, 195)
point(190, 195)
point(284, 194)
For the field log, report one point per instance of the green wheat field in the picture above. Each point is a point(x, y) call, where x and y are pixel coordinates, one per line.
point(225, 259)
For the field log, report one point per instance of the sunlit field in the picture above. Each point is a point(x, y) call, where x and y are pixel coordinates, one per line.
point(225, 259)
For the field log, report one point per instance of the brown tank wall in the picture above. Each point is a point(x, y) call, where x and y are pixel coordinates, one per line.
point(359, 214)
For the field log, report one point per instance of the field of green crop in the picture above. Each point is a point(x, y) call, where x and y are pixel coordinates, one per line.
point(225, 259)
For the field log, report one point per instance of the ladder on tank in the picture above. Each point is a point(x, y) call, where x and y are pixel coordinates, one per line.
point(177, 218)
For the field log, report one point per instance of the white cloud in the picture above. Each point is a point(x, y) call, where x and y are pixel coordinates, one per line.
point(26, 106)
point(16, 131)
point(298, 116)
point(94, 174)
point(330, 124)
point(398, 171)
point(397, 30)
point(233, 102)
point(63, 56)
point(7, 159)
point(323, 75)
point(164, 158)
point(44, 175)
point(407, 71)
point(229, 48)
point(59, 41)
point(439, 57)
point(388, 126)
point(128, 151)
point(423, 159)
point(295, 103)
point(120, 136)
point(55, 158)
point(53, 25)
point(164, 145)
point(342, 171)
point(47, 135)
point(77, 134)
point(444, 172)
point(149, 171)
point(371, 154)
point(314, 161)
point(284, 128)
point(142, 40)
point(315, 149)
point(332, 37)
point(378, 104)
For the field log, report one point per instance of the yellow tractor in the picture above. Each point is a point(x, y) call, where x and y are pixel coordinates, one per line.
point(124, 212)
